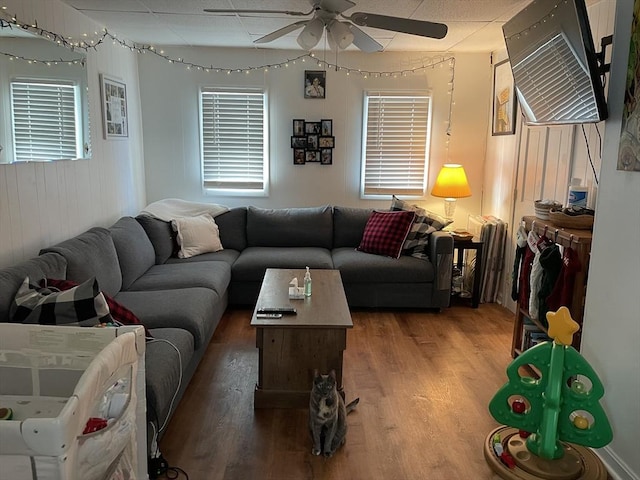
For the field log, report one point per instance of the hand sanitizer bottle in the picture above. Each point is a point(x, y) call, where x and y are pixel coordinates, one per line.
point(307, 283)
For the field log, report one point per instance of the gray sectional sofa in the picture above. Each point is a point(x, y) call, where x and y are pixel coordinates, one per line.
point(182, 300)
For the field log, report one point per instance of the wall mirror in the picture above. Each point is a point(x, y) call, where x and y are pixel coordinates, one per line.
point(44, 107)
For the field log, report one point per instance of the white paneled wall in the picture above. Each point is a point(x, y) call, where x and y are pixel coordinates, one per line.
point(44, 203)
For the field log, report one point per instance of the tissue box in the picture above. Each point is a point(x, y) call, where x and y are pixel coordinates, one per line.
point(295, 292)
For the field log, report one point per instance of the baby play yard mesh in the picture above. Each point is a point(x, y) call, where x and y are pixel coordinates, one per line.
point(54, 380)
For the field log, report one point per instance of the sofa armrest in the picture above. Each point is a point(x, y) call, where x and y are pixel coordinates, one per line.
point(441, 255)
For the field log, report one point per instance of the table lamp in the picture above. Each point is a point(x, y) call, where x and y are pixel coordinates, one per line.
point(451, 184)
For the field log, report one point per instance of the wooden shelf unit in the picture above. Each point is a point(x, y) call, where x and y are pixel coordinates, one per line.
point(580, 241)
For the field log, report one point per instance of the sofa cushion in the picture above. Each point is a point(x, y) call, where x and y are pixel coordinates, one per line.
point(361, 267)
point(43, 266)
point(135, 251)
point(233, 228)
point(189, 308)
point(118, 311)
point(161, 235)
point(227, 255)
point(83, 305)
point(290, 227)
point(162, 373)
point(417, 242)
point(348, 225)
point(91, 254)
point(254, 261)
point(213, 275)
point(196, 235)
point(386, 232)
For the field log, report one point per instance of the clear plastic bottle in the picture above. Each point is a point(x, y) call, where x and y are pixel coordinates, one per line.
point(307, 283)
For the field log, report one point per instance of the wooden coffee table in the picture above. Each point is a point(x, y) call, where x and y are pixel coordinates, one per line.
point(291, 347)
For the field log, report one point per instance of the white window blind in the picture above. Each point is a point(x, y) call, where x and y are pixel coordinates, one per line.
point(233, 139)
point(569, 95)
point(396, 140)
point(45, 120)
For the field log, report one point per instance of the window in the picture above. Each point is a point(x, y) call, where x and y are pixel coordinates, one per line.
point(234, 139)
point(46, 120)
point(395, 143)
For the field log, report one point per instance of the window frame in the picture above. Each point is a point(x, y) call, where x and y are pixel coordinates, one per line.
point(62, 121)
point(233, 190)
point(380, 193)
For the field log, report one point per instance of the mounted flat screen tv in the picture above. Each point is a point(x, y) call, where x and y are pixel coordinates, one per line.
point(554, 63)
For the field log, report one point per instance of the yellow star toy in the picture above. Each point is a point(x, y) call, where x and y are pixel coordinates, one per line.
point(562, 326)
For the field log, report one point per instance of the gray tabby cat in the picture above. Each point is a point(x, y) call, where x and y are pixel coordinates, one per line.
point(327, 414)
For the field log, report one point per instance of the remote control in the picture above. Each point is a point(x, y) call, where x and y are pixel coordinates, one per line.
point(282, 310)
point(268, 315)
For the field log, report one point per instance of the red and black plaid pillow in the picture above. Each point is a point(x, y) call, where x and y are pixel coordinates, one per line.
point(119, 312)
point(385, 233)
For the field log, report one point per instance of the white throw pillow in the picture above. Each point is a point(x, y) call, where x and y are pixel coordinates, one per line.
point(196, 235)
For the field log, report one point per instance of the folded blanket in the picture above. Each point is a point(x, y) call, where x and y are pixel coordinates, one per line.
point(171, 208)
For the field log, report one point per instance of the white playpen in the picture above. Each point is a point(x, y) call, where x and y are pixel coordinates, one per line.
point(57, 382)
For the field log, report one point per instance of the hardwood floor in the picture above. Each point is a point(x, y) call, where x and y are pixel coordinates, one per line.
point(424, 381)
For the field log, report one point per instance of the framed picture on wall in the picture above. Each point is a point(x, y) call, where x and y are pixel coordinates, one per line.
point(298, 156)
point(298, 126)
point(312, 128)
point(113, 94)
point(504, 101)
point(326, 128)
point(326, 142)
point(315, 83)
point(326, 156)
point(299, 142)
point(312, 156)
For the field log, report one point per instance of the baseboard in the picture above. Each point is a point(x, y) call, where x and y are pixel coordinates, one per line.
point(618, 470)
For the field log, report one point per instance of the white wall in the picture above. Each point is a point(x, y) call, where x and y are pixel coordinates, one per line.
point(170, 114)
point(611, 338)
point(43, 203)
point(611, 327)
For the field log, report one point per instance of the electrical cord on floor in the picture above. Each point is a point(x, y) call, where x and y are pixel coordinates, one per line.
point(158, 467)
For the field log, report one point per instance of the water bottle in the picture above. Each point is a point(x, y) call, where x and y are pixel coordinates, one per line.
point(307, 283)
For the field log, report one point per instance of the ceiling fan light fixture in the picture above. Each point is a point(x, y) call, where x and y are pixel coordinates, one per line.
point(340, 33)
point(311, 34)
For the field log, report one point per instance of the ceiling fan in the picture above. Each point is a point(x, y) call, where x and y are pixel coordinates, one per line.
point(329, 14)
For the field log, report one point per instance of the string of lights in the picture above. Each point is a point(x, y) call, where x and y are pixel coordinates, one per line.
point(537, 24)
point(87, 43)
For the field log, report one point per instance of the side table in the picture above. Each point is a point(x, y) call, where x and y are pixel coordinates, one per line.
point(461, 246)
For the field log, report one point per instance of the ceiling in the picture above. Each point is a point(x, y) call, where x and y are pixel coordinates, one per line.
point(474, 25)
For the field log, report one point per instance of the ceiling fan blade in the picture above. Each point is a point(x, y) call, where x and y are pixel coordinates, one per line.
point(397, 24)
point(335, 6)
point(363, 41)
point(282, 12)
point(281, 32)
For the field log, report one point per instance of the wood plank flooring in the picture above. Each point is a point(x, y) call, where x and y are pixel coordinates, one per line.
point(424, 381)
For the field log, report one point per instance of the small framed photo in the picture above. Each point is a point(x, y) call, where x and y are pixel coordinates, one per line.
point(315, 83)
point(504, 100)
point(326, 129)
point(298, 156)
point(299, 142)
point(114, 108)
point(326, 156)
point(312, 156)
point(312, 128)
point(312, 142)
point(298, 127)
point(326, 142)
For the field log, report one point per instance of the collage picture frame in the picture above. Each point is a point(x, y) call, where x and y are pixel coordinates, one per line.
point(113, 95)
point(312, 142)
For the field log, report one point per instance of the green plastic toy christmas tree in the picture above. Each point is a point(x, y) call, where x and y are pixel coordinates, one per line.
point(563, 404)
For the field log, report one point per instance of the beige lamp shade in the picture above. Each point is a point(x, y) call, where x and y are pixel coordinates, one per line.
point(451, 182)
